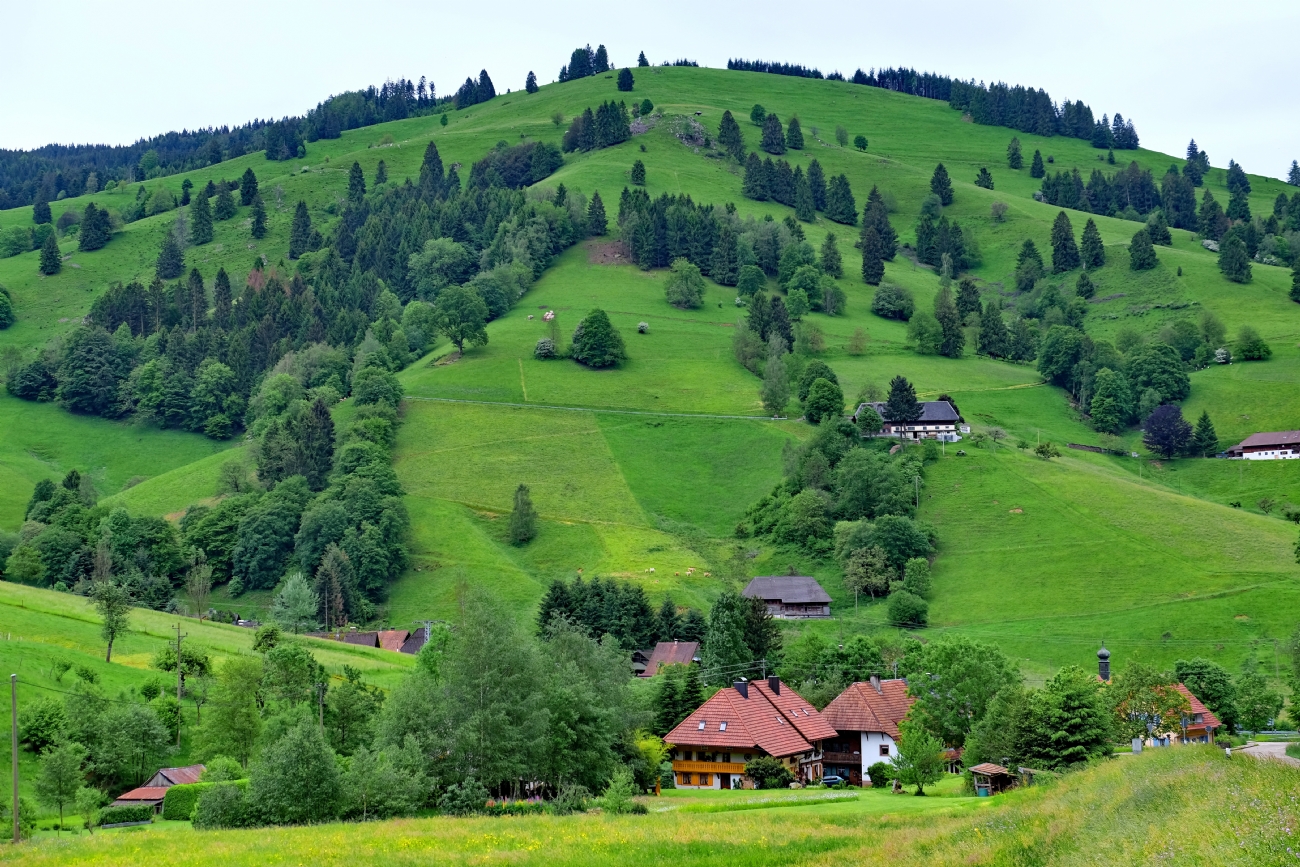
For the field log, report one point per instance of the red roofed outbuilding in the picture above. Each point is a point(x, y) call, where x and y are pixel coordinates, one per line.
point(866, 715)
point(155, 788)
point(670, 653)
point(1201, 723)
point(743, 722)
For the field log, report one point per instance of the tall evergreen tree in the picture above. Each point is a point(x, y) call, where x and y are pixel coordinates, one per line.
point(95, 229)
point(1204, 438)
point(773, 140)
point(1295, 281)
point(754, 186)
point(759, 316)
point(299, 231)
point(830, 257)
point(876, 215)
point(485, 89)
point(993, 338)
point(1094, 251)
point(196, 302)
point(902, 405)
point(1293, 176)
point(51, 259)
point(984, 179)
point(597, 223)
point(523, 518)
point(316, 445)
point(356, 184)
point(641, 60)
point(817, 183)
point(530, 83)
point(945, 310)
point(1065, 252)
point(259, 217)
point(968, 298)
point(1036, 167)
point(1211, 222)
point(724, 265)
point(431, 172)
point(775, 392)
point(1142, 256)
point(1158, 228)
point(1238, 207)
point(186, 187)
point(381, 173)
point(781, 321)
point(638, 173)
point(840, 205)
point(730, 136)
point(171, 262)
point(625, 80)
point(873, 264)
point(41, 211)
point(224, 208)
point(794, 134)
point(247, 187)
point(221, 300)
point(941, 184)
point(1234, 261)
point(1015, 159)
point(804, 208)
point(1084, 287)
point(200, 221)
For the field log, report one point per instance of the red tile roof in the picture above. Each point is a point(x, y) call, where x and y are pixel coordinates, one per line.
point(671, 653)
point(145, 793)
point(393, 639)
point(779, 724)
point(989, 768)
point(181, 776)
point(861, 709)
point(1208, 718)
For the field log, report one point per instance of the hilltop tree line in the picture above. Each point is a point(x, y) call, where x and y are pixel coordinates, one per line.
point(608, 125)
point(620, 610)
point(584, 62)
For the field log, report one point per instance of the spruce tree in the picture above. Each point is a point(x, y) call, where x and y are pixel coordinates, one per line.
point(794, 134)
point(780, 318)
point(51, 260)
point(1065, 252)
point(830, 257)
point(431, 171)
point(596, 343)
point(730, 136)
point(299, 231)
point(1158, 228)
point(757, 115)
point(186, 186)
point(95, 229)
point(381, 173)
point(530, 83)
point(1094, 251)
point(1142, 256)
point(641, 61)
point(224, 209)
point(1205, 441)
point(877, 215)
point(259, 217)
point(316, 445)
point(41, 211)
point(993, 338)
point(638, 173)
point(523, 518)
point(247, 187)
point(1234, 261)
point(221, 300)
point(195, 312)
point(1238, 207)
point(873, 265)
point(945, 310)
point(597, 224)
point(968, 298)
point(1036, 168)
point(625, 80)
point(1015, 159)
point(984, 178)
point(817, 183)
point(1211, 222)
point(1295, 281)
point(1084, 287)
point(941, 184)
point(840, 205)
point(804, 209)
point(200, 221)
point(1293, 176)
point(171, 262)
point(773, 137)
point(902, 405)
point(356, 184)
point(484, 90)
point(754, 185)
point(724, 266)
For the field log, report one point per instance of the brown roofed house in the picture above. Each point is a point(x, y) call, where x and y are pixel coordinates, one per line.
point(866, 715)
point(1271, 446)
point(669, 653)
point(742, 722)
point(393, 639)
point(790, 596)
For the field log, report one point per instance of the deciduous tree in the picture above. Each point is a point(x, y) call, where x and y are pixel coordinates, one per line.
point(523, 518)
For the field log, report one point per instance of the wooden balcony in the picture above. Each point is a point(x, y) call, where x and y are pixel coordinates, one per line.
point(708, 767)
point(831, 758)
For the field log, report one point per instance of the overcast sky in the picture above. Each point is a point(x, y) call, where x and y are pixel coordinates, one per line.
point(115, 70)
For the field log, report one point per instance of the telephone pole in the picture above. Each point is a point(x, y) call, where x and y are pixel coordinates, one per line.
point(179, 682)
point(13, 740)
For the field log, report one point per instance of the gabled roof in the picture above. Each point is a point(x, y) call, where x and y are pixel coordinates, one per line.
point(1271, 438)
point(145, 793)
point(181, 776)
point(765, 720)
point(392, 639)
point(1207, 717)
point(671, 653)
point(989, 769)
point(790, 589)
point(861, 709)
point(932, 412)
point(416, 641)
point(364, 639)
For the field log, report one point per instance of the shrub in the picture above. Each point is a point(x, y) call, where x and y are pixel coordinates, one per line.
point(545, 349)
point(619, 793)
point(881, 773)
point(222, 805)
point(572, 798)
point(179, 802)
point(1250, 346)
point(120, 815)
point(768, 773)
point(893, 302)
point(464, 799)
point(907, 609)
point(223, 769)
point(642, 327)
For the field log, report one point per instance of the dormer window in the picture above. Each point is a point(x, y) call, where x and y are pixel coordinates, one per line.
point(722, 726)
point(701, 725)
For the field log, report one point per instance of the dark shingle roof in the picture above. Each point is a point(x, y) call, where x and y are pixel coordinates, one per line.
point(932, 412)
point(790, 589)
point(1271, 438)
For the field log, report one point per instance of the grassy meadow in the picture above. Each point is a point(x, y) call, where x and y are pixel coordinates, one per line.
point(650, 465)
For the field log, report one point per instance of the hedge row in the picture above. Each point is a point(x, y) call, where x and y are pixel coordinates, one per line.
point(180, 801)
point(118, 815)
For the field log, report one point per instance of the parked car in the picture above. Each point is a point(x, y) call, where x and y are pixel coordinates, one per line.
point(833, 780)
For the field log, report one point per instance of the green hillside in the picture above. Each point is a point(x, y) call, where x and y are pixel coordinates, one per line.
point(651, 465)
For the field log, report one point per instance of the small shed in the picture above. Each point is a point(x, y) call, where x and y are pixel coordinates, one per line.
point(991, 779)
point(790, 596)
point(151, 796)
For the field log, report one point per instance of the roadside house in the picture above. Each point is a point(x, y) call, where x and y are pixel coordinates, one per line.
point(866, 715)
point(1271, 446)
point(742, 722)
point(790, 596)
point(939, 421)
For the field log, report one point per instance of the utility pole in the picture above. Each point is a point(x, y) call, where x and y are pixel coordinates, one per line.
point(178, 685)
point(13, 739)
point(320, 705)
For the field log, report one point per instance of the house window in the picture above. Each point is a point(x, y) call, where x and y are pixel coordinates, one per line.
point(726, 757)
point(686, 779)
point(884, 749)
point(722, 727)
point(747, 756)
point(701, 725)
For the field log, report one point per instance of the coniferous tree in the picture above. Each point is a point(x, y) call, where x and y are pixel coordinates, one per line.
point(299, 231)
point(804, 208)
point(356, 184)
point(1293, 176)
point(597, 223)
point(221, 300)
point(840, 205)
point(224, 208)
point(902, 405)
point(41, 211)
point(596, 343)
point(941, 184)
point(484, 90)
point(530, 83)
point(1205, 441)
point(1015, 159)
point(1158, 229)
point(186, 186)
point(1065, 252)
point(724, 265)
point(984, 178)
point(523, 518)
point(51, 259)
point(730, 136)
point(1211, 222)
point(200, 221)
point(755, 185)
point(95, 229)
point(794, 134)
point(1238, 207)
point(638, 173)
point(259, 217)
point(830, 257)
point(171, 262)
point(945, 310)
point(1295, 281)
point(381, 173)
point(993, 338)
point(431, 171)
point(641, 61)
point(625, 80)
point(773, 136)
point(247, 187)
point(1093, 253)
point(817, 183)
point(1083, 287)
point(968, 298)
point(1142, 255)
point(316, 445)
point(1036, 167)
point(775, 392)
point(873, 264)
point(757, 115)
point(759, 316)
point(781, 325)
point(1234, 261)
point(876, 216)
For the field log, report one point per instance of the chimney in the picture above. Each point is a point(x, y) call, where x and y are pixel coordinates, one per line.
point(742, 687)
point(1103, 663)
point(774, 684)
point(875, 683)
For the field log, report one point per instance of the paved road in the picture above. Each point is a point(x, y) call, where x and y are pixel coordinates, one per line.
point(1267, 750)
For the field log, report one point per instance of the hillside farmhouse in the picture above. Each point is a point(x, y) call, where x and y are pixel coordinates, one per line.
point(1272, 446)
point(866, 715)
point(790, 596)
point(743, 722)
point(939, 421)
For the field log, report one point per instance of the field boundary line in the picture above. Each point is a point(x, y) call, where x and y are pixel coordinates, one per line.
point(644, 412)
